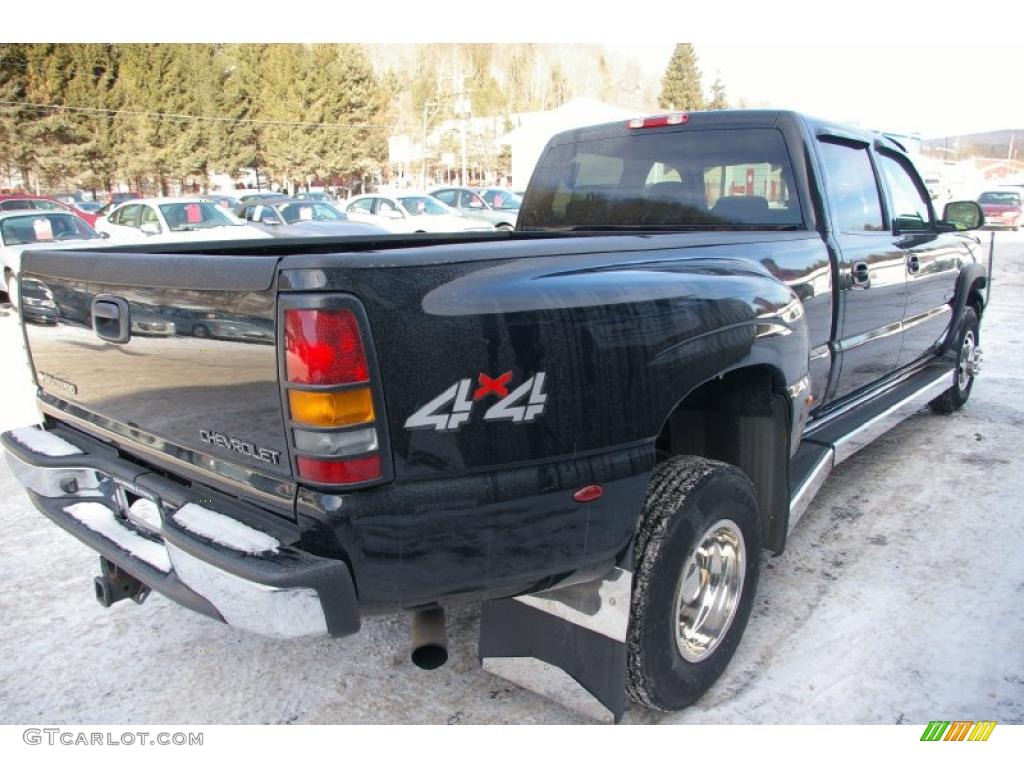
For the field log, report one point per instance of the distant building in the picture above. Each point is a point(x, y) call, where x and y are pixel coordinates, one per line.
point(994, 169)
point(534, 129)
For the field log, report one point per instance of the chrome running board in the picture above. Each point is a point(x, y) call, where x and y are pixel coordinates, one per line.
point(841, 438)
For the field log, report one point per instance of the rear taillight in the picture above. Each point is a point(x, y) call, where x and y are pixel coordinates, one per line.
point(323, 346)
point(330, 397)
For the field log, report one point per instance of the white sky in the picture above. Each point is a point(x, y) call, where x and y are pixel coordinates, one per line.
point(905, 88)
point(937, 67)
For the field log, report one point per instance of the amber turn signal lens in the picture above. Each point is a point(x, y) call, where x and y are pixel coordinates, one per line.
point(331, 409)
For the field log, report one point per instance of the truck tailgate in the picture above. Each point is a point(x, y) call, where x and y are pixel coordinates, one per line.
point(170, 355)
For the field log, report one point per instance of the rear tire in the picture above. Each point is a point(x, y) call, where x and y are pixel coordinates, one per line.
point(696, 570)
point(954, 398)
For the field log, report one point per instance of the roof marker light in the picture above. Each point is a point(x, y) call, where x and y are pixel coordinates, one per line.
point(659, 121)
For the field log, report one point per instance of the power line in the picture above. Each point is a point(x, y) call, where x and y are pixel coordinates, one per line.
point(101, 112)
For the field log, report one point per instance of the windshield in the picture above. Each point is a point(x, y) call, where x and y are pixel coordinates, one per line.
point(309, 211)
point(45, 228)
point(670, 180)
point(423, 206)
point(502, 199)
point(1000, 198)
point(186, 217)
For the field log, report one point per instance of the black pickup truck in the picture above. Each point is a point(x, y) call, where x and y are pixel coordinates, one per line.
point(593, 425)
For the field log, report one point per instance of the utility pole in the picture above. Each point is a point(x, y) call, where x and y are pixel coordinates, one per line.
point(463, 109)
point(430, 109)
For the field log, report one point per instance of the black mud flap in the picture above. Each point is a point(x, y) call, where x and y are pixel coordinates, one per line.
point(568, 644)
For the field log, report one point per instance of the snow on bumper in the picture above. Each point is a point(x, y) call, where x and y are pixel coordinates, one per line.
point(207, 561)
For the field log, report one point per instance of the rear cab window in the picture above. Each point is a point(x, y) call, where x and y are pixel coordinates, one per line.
point(852, 188)
point(688, 179)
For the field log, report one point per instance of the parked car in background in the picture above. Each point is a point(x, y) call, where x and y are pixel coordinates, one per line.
point(288, 217)
point(1002, 208)
point(123, 197)
point(253, 196)
point(411, 213)
point(321, 196)
point(89, 206)
point(40, 203)
point(174, 219)
point(224, 201)
point(501, 209)
point(37, 304)
point(23, 230)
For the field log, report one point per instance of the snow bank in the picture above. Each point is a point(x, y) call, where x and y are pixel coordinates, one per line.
point(225, 530)
point(100, 518)
point(42, 442)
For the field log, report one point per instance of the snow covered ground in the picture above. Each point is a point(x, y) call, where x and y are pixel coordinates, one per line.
point(899, 599)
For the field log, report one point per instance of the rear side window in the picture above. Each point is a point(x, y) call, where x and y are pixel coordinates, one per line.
point(362, 206)
point(149, 216)
point(672, 179)
point(909, 204)
point(852, 188)
point(128, 216)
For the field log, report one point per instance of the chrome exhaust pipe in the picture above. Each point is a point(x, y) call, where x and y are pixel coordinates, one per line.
point(429, 638)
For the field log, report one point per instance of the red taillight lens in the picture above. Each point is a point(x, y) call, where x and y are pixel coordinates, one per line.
point(333, 472)
point(322, 346)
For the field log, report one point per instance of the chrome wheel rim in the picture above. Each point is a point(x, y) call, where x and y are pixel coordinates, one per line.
point(964, 371)
point(709, 590)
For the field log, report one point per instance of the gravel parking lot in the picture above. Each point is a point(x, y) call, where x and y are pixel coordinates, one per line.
point(900, 598)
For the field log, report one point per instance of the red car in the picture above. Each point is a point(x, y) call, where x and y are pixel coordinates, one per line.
point(1002, 208)
point(33, 202)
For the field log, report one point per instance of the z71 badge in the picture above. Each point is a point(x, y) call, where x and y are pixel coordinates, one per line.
point(452, 408)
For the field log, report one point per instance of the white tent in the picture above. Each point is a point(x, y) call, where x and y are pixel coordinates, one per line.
point(536, 128)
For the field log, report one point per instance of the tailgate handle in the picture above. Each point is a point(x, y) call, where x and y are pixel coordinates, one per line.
point(110, 319)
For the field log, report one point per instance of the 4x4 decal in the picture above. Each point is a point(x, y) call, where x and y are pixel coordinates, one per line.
point(452, 408)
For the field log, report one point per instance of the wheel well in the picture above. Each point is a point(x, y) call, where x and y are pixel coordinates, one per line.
point(741, 418)
point(976, 297)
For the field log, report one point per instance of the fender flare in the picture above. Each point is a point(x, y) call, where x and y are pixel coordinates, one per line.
point(973, 277)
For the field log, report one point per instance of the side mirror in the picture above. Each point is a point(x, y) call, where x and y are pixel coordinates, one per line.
point(963, 215)
point(150, 228)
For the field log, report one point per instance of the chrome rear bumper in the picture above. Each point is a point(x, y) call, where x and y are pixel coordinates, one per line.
point(277, 591)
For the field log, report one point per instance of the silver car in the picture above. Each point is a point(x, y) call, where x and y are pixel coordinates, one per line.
point(495, 205)
point(288, 217)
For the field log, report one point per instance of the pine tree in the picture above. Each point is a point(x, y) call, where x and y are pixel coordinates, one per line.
point(17, 152)
point(681, 87)
point(240, 144)
point(718, 97)
point(90, 91)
